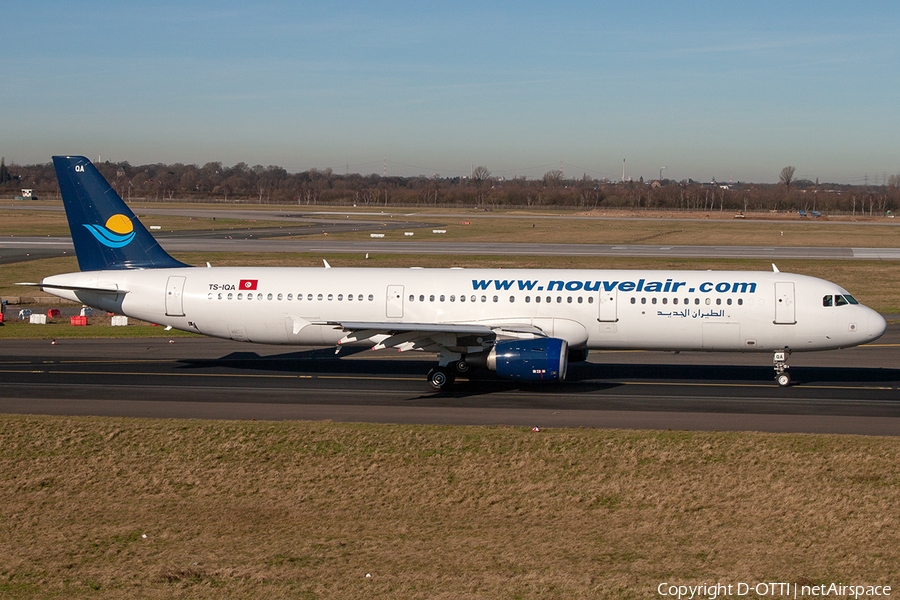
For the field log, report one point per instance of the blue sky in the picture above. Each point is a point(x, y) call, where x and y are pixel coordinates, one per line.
point(705, 89)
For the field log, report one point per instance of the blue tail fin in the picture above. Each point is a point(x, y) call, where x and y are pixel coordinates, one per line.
point(107, 235)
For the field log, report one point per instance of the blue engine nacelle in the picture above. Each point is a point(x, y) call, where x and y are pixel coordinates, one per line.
point(541, 359)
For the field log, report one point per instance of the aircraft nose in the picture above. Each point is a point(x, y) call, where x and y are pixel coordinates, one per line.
point(877, 326)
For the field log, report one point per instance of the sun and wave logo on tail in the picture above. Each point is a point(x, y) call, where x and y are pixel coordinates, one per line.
point(117, 233)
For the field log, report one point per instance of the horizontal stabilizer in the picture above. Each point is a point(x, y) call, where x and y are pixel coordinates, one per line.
point(76, 288)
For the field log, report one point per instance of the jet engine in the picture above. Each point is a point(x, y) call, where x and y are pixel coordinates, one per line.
point(540, 359)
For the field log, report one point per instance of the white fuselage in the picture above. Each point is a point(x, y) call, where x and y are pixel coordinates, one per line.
point(592, 309)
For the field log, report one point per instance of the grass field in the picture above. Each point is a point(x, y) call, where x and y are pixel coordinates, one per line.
point(307, 510)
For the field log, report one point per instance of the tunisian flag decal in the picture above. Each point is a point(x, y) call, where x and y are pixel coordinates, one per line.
point(248, 284)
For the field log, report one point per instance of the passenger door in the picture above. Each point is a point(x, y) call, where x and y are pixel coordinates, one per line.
point(174, 294)
point(784, 303)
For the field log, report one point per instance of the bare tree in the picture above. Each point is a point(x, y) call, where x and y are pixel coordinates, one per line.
point(787, 176)
point(480, 174)
point(553, 178)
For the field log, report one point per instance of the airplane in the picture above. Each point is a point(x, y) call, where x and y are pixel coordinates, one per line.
point(523, 324)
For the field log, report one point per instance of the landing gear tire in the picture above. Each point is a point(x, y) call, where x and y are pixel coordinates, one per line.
point(783, 379)
point(440, 378)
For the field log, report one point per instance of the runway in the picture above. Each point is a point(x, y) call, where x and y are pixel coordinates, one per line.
point(850, 391)
point(29, 248)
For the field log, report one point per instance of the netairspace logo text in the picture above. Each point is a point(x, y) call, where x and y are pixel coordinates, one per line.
point(722, 591)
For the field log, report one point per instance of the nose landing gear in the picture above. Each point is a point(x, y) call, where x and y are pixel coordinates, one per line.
point(780, 359)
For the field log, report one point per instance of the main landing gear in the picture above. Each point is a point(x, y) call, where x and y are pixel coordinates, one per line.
point(442, 376)
point(780, 359)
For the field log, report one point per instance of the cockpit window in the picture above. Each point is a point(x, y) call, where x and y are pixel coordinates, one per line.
point(840, 301)
point(851, 299)
point(826, 300)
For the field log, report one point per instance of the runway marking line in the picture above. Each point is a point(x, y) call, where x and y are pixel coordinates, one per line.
point(137, 373)
point(759, 385)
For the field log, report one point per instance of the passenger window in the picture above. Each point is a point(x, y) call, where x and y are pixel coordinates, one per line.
point(220, 295)
point(452, 298)
point(708, 301)
point(496, 299)
point(590, 299)
point(309, 297)
point(512, 299)
point(319, 297)
point(371, 297)
point(740, 301)
point(643, 301)
point(240, 297)
point(431, 298)
point(412, 298)
point(537, 299)
point(330, 297)
point(718, 302)
point(840, 300)
point(559, 299)
point(259, 296)
point(472, 298)
point(580, 300)
point(674, 301)
point(665, 300)
point(826, 300)
point(443, 297)
point(633, 300)
point(230, 295)
point(422, 298)
point(527, 299)
point(569, 299)
point(653, 300)
point(728, 302)
point(483, 298)
point(290, 297)
point(462, 298)
point(697, 300)
point(280, 296)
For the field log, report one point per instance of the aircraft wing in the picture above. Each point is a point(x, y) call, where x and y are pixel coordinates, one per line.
point(432, 337)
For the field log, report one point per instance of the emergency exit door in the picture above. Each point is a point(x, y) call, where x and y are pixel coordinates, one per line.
point(394, 308)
